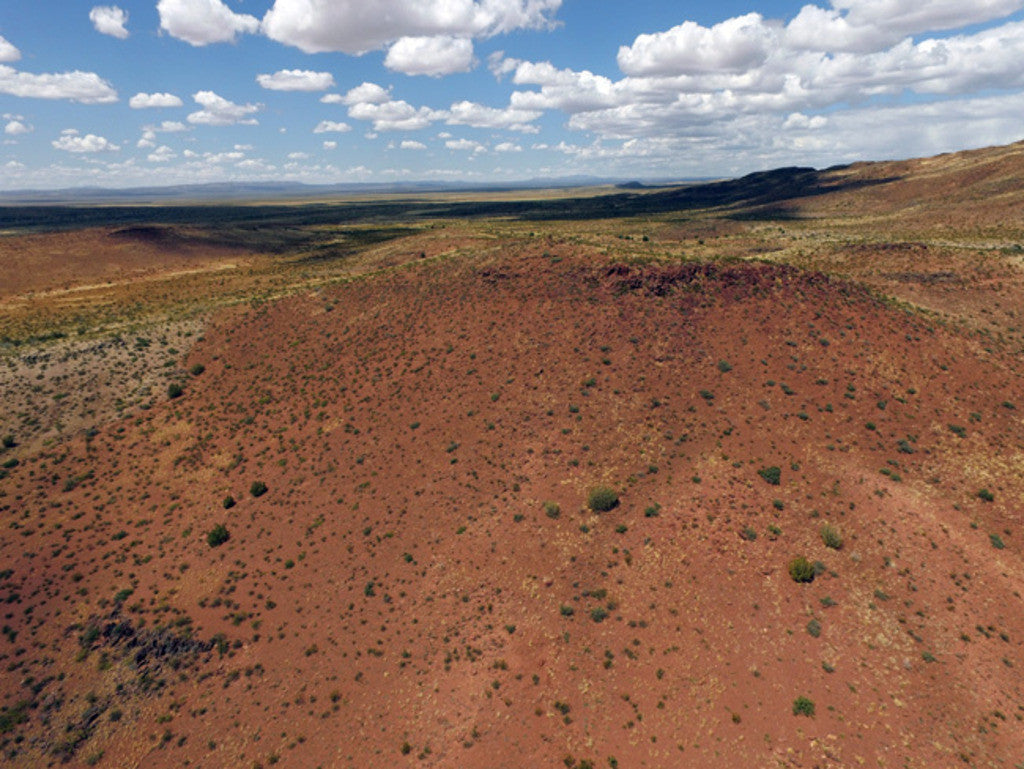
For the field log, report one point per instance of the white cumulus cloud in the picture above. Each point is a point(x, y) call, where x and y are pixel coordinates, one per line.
point(357, 26)
point(408, 144)
point(329, 126)
point(434, 56)
point(147, 100)
point(218, 111)
point(364, 93)
point(480, 116)
point(7, 51)
point(734, 45)
point(162, 154)
point(110, 20)
point(71, 141)
point(83, 87)
point(17, 128)
point(865, 26)
point(395, 115)
point(201, 22)
point(296, 80)
point(465, 145)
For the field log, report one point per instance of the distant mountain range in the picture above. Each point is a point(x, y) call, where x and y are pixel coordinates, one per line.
point(255, 191)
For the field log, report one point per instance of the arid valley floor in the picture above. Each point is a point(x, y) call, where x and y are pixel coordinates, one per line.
point(312, 484)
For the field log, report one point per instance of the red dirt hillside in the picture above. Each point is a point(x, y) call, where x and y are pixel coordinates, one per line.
point(424, 584)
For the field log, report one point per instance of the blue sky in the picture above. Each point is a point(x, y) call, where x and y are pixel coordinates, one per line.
point(149, 92)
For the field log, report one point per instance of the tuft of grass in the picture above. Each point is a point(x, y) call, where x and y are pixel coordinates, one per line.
point(802, 706)
point(831, 537)
point(801, 570)
point(601, 499)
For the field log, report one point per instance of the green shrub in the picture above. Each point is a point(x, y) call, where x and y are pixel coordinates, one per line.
point(602, 499)
point(552, 509)
point(831, 537)
point(599, 614)
point(771, 474)
point(174, 390)
point(814, 628)
point(801, 570)
point(803, 707)
point(197, 369)
point(985, 495)
point(218, 535)
point(258, 488)
point(997, 541)
point(229, 502)
point(566, 610)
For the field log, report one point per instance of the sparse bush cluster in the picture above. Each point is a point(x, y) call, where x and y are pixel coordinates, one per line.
point(601, 499)
point(802, 706)
point(831, 537)
point(218, 535)
point(801, 570)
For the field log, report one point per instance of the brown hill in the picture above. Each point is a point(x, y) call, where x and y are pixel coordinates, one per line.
point(423, 581)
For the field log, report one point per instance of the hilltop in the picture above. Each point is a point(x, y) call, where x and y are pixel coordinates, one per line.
point(332, 502)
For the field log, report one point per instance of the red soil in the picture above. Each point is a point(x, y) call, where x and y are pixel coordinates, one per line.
point(399, 597)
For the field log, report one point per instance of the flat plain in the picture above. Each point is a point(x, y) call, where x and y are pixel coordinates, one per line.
point(719, 475)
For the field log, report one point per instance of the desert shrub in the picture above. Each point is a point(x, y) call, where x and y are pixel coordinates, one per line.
point(599, 614)
point(602, 499)
point(174, 390)
point(218, 535)
point(985, 495)
point(997, 541)
point(724, 366)
point(814, 628)
point(803, 707)
point(652, 511)
point(9, 442)
point(229, 502)
point(831, 537)
point(258, 488)
point(566, 611)
point(197, 369)
point(771, 474)
point(801, 570)
point(748, 534)
point(552, 509)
